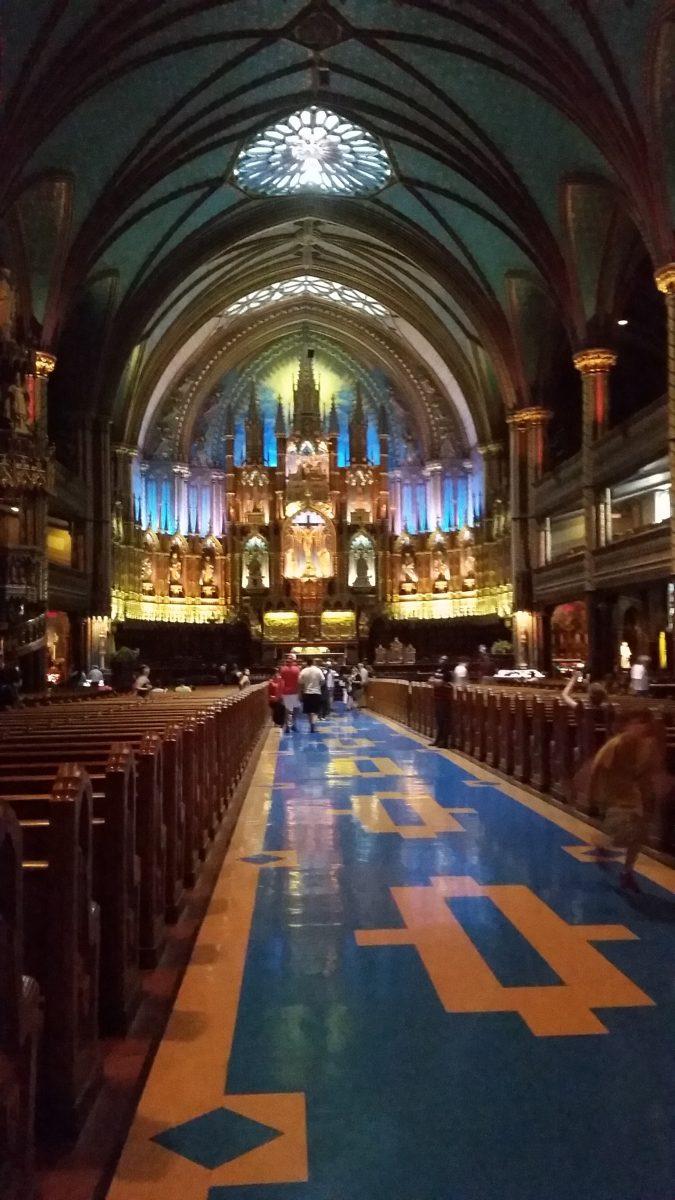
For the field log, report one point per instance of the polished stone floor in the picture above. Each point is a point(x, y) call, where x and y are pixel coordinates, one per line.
point(414, 982)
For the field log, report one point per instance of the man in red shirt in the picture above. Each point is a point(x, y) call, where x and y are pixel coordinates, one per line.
point(290, 673)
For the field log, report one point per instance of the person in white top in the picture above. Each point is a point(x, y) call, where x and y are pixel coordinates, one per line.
point(329, 678)
point(310, 683)
point(460, 672)
point(639, 676)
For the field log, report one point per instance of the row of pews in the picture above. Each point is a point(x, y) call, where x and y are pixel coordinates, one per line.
point(530, 735)
point(107, 810)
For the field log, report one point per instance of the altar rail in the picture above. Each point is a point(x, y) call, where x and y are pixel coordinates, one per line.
point(530, 735)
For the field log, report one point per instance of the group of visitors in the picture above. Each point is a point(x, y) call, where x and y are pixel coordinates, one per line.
point(315, 688)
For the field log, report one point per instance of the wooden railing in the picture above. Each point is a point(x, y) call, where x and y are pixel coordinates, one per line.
point(531, 736)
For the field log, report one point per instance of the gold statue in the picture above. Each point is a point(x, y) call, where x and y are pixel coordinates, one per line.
point(408, 578)
point(175, 573)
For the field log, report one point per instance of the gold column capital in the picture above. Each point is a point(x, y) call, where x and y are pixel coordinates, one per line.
point(490, 449)
point(664, 278)
point(521, 418)
point(594, 361)
point(44, 362)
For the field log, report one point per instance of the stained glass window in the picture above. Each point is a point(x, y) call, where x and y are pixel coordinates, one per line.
point(313, 150)
point(308, 285)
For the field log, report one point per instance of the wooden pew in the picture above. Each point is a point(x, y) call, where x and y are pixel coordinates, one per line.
point(20, 1024)
point(61, 944)
point(116, 868)
point(541, 737)
point(150, 832)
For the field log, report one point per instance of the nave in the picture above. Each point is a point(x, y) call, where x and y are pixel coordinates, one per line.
point(413, 981)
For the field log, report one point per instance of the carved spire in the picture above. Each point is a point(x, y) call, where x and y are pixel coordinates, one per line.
point(254, 430)
point(358, 431)
point(306, 408)
point(333, 423)
point(280, 422)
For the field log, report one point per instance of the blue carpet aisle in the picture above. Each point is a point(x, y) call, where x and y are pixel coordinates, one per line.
point(413, 985)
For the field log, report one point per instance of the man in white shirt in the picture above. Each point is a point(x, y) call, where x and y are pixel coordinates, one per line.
point(310, 683)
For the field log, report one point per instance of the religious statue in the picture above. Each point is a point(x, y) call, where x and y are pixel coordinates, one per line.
point(408, 578)
point(290, 567)
point(175, 573)
point(17, 407)
point(409, 654)
point(468, 570)
point(207, 578)
point(625, 655)
point(325, 564)
point(254, 581)
point(440, 572)
point(362, 578)
point(147, 582)
point(395, 654)
point(380, 654)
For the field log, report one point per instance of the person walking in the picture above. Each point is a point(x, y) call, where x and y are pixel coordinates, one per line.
point(623, 788)
point(639, 676)
point(330, 677)
point(290, 673)
point(310, 683)
point(275, 698)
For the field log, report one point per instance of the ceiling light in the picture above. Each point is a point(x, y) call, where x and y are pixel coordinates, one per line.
point(622, 321)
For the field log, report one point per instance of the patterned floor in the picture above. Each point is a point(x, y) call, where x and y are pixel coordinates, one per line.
point(414, 982)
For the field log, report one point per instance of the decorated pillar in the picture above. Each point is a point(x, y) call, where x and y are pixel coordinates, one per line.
point(665, 282)
point(99, 485)
point(217, 502)
point(125, 462)
point(492, 454)
point(181, 474)
point(527, 434)
point(594, 365)
point(396, 501)
point(229, 468)
point(433, 478)
point(43, 367)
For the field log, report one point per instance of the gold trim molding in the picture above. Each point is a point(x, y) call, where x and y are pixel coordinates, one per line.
point(665, 278)
point(44, 363)
point(522, 417)
point(594, 361)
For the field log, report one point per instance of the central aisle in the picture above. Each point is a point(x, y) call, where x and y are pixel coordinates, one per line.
point(413, 983)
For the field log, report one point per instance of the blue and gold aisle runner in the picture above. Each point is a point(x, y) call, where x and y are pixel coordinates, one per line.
point(413, 983)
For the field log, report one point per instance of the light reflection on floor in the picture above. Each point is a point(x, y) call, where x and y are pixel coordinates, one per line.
point(422, 991)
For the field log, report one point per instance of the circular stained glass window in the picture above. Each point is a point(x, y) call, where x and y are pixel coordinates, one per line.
point(313, 150)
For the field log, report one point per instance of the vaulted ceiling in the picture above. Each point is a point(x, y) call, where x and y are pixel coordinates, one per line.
point(533, 151)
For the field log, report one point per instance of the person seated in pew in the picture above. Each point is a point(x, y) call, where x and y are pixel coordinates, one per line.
point(596, 695)
point(182, 688)
point(95, 677)
point(142, 684)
